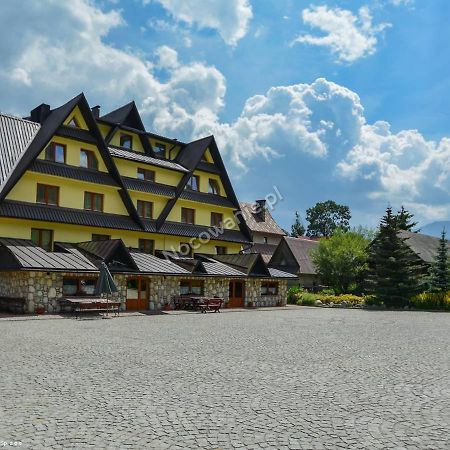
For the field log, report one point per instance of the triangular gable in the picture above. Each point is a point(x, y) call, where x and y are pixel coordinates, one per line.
point(127, 115)
point(250, 263)
point(112, 252)
point(76, 119)
point(46, 132)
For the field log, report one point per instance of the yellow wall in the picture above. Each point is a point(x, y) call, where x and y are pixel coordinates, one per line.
point(129, 169)
point(71, 192)
point(137, 145)
point(21, 229)
point(158, 201)
point(202, 212)
point(204, 181)
point(73, 152)
point(173, 151)
point(104, 129)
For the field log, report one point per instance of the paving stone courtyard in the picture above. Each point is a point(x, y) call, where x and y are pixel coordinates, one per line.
point(304, 378)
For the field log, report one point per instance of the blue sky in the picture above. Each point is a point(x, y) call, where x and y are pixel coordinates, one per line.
point(344, 100)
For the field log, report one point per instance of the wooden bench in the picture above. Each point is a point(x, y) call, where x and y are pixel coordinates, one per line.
point(211, 304)
point(14, 305)
point(97, 307)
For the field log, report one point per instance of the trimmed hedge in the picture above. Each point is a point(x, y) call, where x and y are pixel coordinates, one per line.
point(309, 299)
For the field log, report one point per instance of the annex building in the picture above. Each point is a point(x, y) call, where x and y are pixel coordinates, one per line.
point(78, 188)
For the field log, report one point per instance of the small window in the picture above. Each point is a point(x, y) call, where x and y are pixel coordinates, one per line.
point(269, 288)
point(216, 219)
point(79, 286)
point(145, 174)
point(147, 246)
point(42, 238)
point(100, 237)
point(88, 159)
point(48, 195)
point(126, 141)
point(194, 183)
point(74, 123)
point(188, 215)
point(266, 240)
point(220, 250)
point(160, 150)
point(186, 249)
point(93, 201)
point(56, 152)
point(145, 209)
point(214, 187)
point(195, 287)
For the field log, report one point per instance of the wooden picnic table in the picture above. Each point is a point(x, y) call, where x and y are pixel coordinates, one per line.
point(198, 303)
point(80, 305)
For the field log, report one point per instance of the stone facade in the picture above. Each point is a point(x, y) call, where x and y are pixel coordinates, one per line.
point(42, 290)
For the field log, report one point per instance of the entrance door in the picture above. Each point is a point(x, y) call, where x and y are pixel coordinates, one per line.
point(137, 294)
point(237, 294)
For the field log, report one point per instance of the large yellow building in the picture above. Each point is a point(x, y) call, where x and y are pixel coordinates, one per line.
point(70, 175)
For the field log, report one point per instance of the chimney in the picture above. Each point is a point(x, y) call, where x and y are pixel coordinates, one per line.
point(40, 113)
point(96, 111)
point(261, 209)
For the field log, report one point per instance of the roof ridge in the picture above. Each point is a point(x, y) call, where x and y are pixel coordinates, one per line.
point(22, 119)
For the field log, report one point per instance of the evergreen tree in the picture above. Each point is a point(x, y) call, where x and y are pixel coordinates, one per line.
point(394, 270)
point(440, 269)
point(297, 229)
point(404, 220)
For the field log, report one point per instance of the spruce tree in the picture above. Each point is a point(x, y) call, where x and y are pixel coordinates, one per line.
point(404, 220)
point(297, 229)
point(394, 270)
point(440, 269)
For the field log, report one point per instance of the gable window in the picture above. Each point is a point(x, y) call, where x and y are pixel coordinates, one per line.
point(204, 158)
point(194, 183)
point(188, 215)
point(74, 123)
point(48, 195)
point(100, 237)
point(93, 201)
point(147, 246)
point(266, 240)
point(126, 141)
point(186, 249)
point(214, 187)
point(269, 288)
point(42, 238)
point(88, 159)
point(216, 219)
point(145, 209)
point(220, 250)
point(79, 286)
point(195, 287)
point(55, 152)
point(145, 174)
point(160, 150)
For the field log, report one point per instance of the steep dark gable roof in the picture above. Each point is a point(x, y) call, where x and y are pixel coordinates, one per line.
point(15, 136)
point(127, 115)
point(300, 250)
point(424, 246)
point(250, 263)
point(256, 224)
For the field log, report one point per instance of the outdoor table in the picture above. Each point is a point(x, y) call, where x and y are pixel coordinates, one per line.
point(90, 304)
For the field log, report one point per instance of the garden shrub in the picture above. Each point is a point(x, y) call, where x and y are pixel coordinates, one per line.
point(306, 299)
point(350, 299)
point(293, 294)
point(432, 300)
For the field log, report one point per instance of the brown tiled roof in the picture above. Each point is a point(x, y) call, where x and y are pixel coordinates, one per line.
point(256, 224)
point(301, 250)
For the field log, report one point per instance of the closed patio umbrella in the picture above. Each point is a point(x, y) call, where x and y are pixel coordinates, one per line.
point(105, 283)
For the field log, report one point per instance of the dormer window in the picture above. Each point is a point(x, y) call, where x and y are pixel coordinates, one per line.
point(194, 183)
point(126, 141)
point(160, 150)
point(56, 152)
point(145, 174)
point(214, 187)
point(73, 123)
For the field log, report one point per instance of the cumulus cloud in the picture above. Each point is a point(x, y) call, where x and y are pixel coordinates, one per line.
point(230, 18)
point(348, 36)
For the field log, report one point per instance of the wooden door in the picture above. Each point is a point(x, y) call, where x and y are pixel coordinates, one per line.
point(237, 294)
point(137, 294)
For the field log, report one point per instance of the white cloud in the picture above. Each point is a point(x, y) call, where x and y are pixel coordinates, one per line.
point(348, 36)
point(230, 18)
point(167, 57)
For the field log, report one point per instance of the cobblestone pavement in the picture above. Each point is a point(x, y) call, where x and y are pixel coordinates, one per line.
point(287, 379)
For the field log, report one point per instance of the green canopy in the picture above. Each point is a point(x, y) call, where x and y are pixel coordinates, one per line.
point(105, 283)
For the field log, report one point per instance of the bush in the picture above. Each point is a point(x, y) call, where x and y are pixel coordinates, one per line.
point(372, 300)
point(432, 300)
point(349, 299)
point(306, 299)
point(293, 294)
